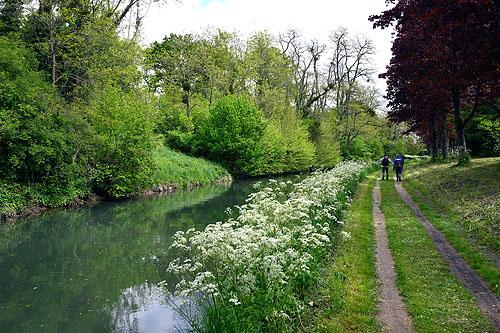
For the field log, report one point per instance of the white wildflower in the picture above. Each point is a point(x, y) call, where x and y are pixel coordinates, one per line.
point(274, 241)
point(345, 234)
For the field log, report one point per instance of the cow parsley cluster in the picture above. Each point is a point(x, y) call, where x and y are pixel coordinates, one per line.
point(259, 263)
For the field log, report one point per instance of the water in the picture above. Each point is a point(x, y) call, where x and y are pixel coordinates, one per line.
point(95, 269)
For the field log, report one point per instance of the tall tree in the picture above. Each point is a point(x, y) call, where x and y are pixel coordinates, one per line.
point(179, 61)
point(454, 57)
point(77, 46)
point(270, 71)
point(11, 15)
point(308, 78)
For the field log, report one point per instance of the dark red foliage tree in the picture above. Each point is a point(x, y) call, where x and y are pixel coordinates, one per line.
point(445, 60)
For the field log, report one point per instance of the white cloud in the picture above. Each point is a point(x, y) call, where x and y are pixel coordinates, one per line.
point(314, 18)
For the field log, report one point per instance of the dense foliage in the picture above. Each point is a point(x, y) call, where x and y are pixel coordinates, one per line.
point(250, 273)
point(121, 153)
point(74, 115)
point(231, 133)
point(37, 144)
point(311, 119)
point(444, 66)
point(31, 131)
point(85, 109)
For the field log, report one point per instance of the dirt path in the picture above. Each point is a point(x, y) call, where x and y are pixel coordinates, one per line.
point(487, 301)
point(485, 251)
point(392, 313)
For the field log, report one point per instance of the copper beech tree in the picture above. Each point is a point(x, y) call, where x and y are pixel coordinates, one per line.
point(445, 64)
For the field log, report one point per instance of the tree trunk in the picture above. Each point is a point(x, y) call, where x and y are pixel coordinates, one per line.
point(432, 138)
point(444, 135)
point(53, 51)
point(459, 122)
point(188, 103)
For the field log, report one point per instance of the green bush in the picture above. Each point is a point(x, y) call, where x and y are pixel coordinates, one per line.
point(175, 125)
point(172, 112)
point(328, 152)
point(179, 140)
point(236, 135)
point(299, 149)
point(123, 125)
point(463, 157)
point(272, 152)
point(34, 141)
point(231, 134)
point(482, 133)
point(284, 147)
point(359, 149)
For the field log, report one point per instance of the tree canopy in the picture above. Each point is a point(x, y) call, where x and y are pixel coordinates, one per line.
point(445, 62)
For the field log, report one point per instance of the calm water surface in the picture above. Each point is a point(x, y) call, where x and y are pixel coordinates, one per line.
point(96, 269)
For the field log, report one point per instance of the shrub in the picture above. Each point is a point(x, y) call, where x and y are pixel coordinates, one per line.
point(299, 149)
point(284, 147)
point(34, 141)
point(463, 157)
point(328, 152)
point(123, 124)
point(231, 134)
point(179, 140)
point(272, 152)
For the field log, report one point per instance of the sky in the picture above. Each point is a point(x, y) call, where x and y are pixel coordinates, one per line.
point(313, 18)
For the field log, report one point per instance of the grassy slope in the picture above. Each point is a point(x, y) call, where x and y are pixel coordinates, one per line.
point(348, 297)
point(173, 168)
point(471, 193)
point(463, 204)
point(436, 301)
point(182, 170)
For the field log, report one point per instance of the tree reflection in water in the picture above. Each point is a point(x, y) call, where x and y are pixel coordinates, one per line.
point(143, 308)
point(94, 269)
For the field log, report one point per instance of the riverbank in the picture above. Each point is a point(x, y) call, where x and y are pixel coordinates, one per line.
point(346, 296)
point(253, 271)
point(96, 267)
point(172, 171)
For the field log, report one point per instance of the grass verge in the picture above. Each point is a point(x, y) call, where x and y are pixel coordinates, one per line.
point(347, 299)
point(469, 195)
point(172, 168)
point(482, 264)
point(448, 218)
point(434, 298)
point(16, 198)
point(178, 169)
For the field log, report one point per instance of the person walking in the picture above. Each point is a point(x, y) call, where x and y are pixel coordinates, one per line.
point(398, 167)
point(402, 164)
point(385, 162)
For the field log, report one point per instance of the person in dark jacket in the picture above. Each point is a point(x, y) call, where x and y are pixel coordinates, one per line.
point(398, 167)
point(385, 162)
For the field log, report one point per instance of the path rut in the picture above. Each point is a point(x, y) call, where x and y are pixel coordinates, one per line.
point(392, 313)
point(487, 301)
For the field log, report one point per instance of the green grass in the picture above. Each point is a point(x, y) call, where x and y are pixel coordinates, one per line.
point(470, 193)
point(172, 168)
point(434, 298)
point(178, 169)
point(15, 197)
point(347, 299)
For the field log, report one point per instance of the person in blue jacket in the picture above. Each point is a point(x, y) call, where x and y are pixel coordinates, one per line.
point(398, 166)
